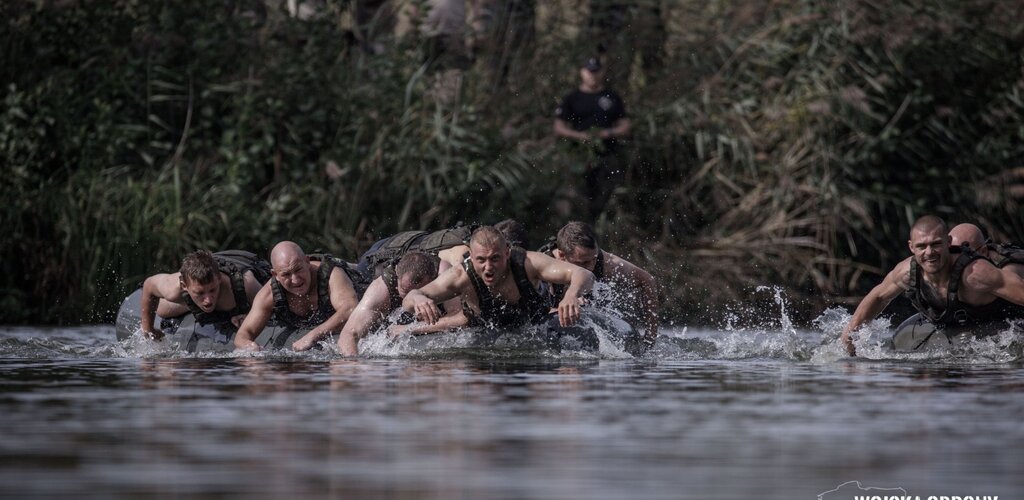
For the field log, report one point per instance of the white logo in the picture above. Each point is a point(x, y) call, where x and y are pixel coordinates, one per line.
point(892, 491)
point(605, 102)
point(858, 492)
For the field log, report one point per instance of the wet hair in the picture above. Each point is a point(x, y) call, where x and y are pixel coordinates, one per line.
point(199, 267)
point(420, 267)
point(515, 232)
point(575, 234)
point(929, 222)
point(488, 236)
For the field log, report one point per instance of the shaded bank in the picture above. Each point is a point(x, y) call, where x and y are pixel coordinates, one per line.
point(788, 144)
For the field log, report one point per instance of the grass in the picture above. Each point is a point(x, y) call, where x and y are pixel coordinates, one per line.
point(788, 144)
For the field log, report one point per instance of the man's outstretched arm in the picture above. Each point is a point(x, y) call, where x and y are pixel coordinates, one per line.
point(876, 301)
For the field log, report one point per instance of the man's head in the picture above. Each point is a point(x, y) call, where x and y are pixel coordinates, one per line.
point(515, 233)
point(489, 252)
point(592, 72)
point(199, 273)
point(577, 244)
point(415, 270)
point(970, 235)
point(290, 267)
point(929, 242)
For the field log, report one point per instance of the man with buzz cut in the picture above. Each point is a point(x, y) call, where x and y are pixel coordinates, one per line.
point(498, 286)
point(576, 243)
point(385, 294)
point(946, 290)
point(214, 287)
point(303, 292)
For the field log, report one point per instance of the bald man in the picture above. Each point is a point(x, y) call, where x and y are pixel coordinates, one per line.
point(945, 289)
point(1005, 256)
point(302, 292)
point(498, 285)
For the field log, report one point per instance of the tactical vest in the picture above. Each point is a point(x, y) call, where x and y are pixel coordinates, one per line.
point(284, 315)
point(532, 307)
point(233, 263)
point(1006, 253)
point(391, 249)
point(558, 290)
point(955, 312)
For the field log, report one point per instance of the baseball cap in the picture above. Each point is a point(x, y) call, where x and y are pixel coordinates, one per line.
point(592, 64)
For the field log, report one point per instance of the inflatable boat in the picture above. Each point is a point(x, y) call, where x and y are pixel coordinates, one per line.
point(916, 333)
point(188, 335)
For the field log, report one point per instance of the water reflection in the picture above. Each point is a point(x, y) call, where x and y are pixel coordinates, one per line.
point(499, 428)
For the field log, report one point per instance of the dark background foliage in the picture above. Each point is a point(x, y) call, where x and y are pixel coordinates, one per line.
point(788, 142)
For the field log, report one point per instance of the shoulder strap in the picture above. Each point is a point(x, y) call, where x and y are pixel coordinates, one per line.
point(482, 293)
point(281, 311)
point(966, 257)
point(517, 262)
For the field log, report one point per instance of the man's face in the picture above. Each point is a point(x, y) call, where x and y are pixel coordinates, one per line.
point(591, 78)
point(489, 262)
point(583, 257)
point(930, 249)
point(293, 275)
point(203, 294)
point(407, 284)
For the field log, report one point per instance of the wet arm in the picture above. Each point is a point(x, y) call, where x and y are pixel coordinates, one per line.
point(155, 290)
point(1001, 282)
point(368, 314)
point(256, 320)
point(876, 301)
point(648, 302)
point(423, 302)
point(454, 318)
point(343, 299)
point(579, 281)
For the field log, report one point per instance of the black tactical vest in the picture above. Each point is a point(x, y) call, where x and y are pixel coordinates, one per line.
point(1005, 253)
point(532, 307)
point(284, 315)
point(391, 249)
point(955, 312)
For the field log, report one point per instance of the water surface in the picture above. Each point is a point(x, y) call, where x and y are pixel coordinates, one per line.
point(764, 414)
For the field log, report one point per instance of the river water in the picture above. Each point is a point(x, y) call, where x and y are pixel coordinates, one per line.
point(731, 412)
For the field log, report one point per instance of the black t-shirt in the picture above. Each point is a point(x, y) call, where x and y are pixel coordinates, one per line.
point(584, 111)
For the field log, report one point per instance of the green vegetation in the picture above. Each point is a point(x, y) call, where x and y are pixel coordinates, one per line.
point(788, 143)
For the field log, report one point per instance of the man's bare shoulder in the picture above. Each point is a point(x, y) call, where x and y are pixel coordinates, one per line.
point(264, 299)
point(617, 265)
point(981, 275)
point(376, 292)
point(900, 275)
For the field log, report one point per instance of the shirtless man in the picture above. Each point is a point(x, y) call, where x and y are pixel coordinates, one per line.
point(385, 294)
point(927, 276)
point(576, 243)
point(303, 293)
point(498, 285)
point(214, 287)
point(1003, 256)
